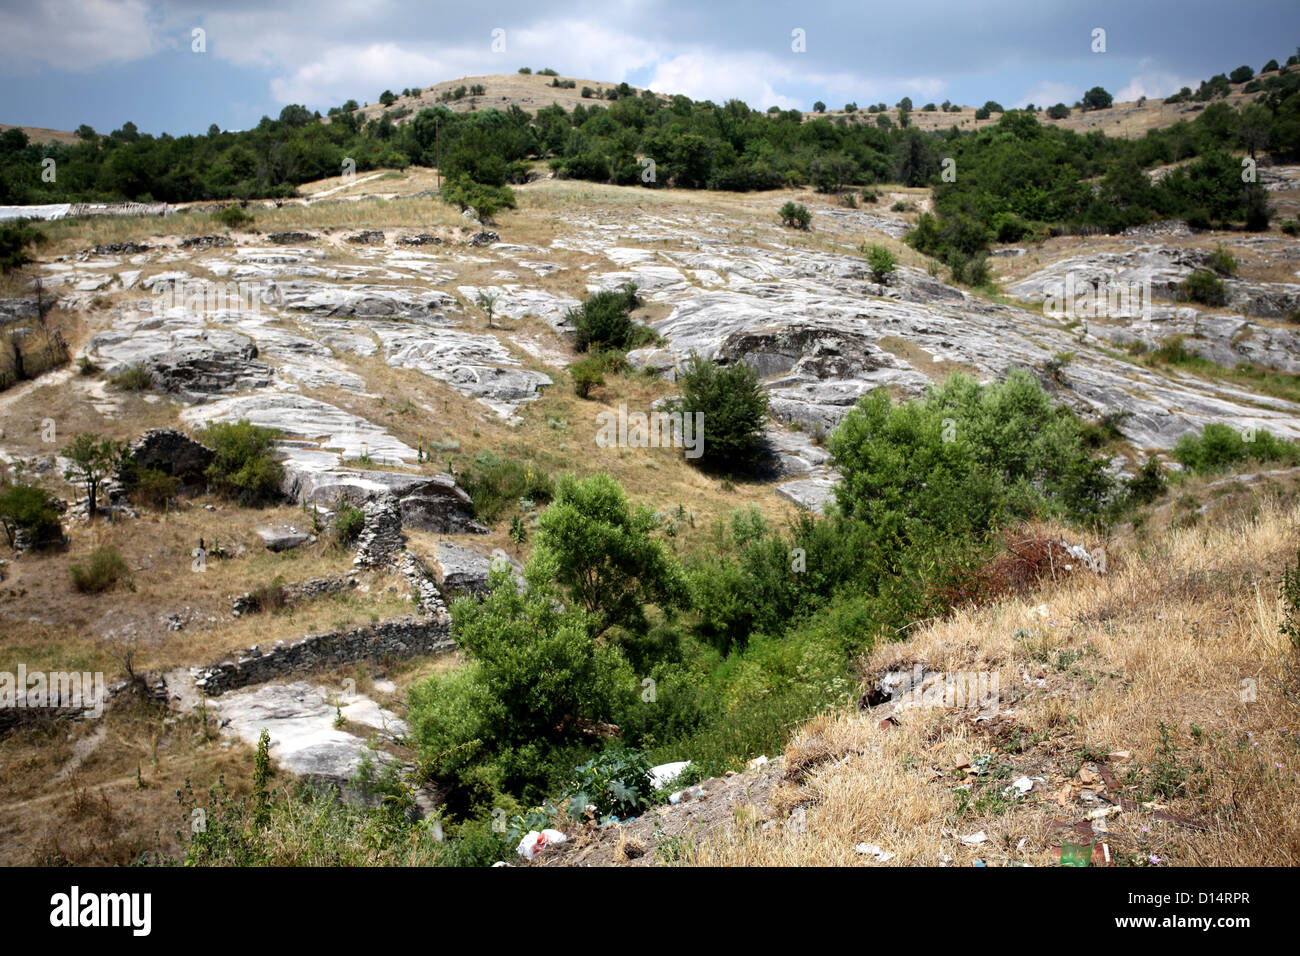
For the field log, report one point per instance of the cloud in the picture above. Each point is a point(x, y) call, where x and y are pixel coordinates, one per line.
point(77, 36)
point(710, 75)
point(1154, 84)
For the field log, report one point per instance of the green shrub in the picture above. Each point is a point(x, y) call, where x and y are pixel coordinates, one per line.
point(587, 374)
point(30, 509)
point(882, 262)
point(521, 713)
point(795, 215)
point(1219, 447)
point(604, 322)
point(733, 406)
point(348, 522)
point(965, 459)
point(105, 570)
point(1149, 483)
point(485, 200)
point(493, 483)
point(243, 466)
point(1222, 261)
point(232, 217)
point(136, 378)
point(1205, 287)
point(152, 487)
point(593, 543)
point(1291, 227)
point(15, 239)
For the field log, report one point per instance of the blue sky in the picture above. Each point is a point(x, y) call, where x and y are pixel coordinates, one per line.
point(103, 62)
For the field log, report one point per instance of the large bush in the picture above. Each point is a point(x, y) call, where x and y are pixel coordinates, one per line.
point(534, 697)
point(1219, 447)
point(604, 321)
point(965, 458)
point(733, 406)
point(599, 548)
point(29, 509)
point(243, 464)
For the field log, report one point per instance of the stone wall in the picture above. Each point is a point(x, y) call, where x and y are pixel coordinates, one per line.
point(400, 637)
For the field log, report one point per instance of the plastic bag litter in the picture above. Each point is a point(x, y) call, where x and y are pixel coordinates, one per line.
point(666, 773)
point(882, 856)
point(535, 842)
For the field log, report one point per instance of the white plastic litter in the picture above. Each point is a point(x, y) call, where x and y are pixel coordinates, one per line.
point(972, 839)
point(870, 849)
point(666, 773)
point(1021, 786)
point(757, 762)
point(535, 842)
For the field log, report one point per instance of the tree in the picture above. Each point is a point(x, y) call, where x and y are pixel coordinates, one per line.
point(1242, 74)
point(487, 301)
point(905, 104)
point(598, 547)
point(819, 106)
point(91, 459)
point(1058, 112)
point(1097, 99)
point(31, 510)
point(387, 98)
point(243, 466)
point(533, 696)
point(733, 406)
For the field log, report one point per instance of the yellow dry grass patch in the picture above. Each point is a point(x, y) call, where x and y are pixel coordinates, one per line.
point(1180, 633)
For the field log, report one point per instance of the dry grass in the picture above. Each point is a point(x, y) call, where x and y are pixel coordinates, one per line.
point(101, 792)
point(1173, 639)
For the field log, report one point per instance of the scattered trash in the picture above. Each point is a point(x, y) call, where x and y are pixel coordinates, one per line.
point(664, 774)
point(535, 842)
point(1075, 855)
point(1021, 844)
point(970, 839)
point(1087, 776)
point(980, 863)
point(499, 863)
point(1021, 786)
point(756, 763)
point(1102, 813)
point(961, 762)
point(870, 849)
point(1120, 755)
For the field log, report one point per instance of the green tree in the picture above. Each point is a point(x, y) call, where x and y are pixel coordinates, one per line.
point(29, 509)
point(243, 465)
point(532, 697)
point(732, 405)
point(91, 459)
point(599, 548)
point(1097, 99)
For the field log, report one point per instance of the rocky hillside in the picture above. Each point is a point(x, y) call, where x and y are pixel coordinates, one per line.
point(397, 345)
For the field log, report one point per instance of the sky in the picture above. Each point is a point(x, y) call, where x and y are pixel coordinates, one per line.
point(104, 62)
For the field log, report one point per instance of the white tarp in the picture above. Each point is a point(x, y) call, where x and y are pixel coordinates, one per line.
point(52, 211)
